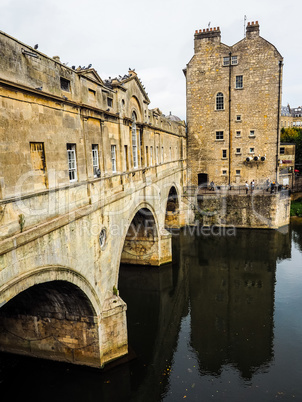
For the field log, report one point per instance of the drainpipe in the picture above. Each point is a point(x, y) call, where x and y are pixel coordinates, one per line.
point(230, 138)
point(278, 118)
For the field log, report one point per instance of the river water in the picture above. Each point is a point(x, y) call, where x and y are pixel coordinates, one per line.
point(221, 323)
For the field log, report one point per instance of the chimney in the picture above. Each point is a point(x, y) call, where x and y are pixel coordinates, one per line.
point(252, 30)
point(208, 35)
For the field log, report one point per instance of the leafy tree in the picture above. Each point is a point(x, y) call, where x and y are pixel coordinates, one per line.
point(293, 135)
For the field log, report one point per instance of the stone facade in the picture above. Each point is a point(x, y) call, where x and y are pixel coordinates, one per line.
point(80, 160)
point(233, 108)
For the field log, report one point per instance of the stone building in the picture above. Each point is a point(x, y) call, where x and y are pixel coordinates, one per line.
point(233, 108)
point(291, 117)
point(64, 128)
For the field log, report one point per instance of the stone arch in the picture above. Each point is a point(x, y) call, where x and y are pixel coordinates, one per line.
point(172, 208)
point(51, 318)
point(47, 274)
point(135, 106)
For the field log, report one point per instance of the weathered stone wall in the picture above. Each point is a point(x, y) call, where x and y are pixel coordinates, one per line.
point(244, 211)
point(248, 119)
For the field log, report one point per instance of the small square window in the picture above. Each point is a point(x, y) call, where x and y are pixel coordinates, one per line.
point(238, 133)
point(224, 172)
point(252, 133)
point(238, 150)
point(239, 81)
point(282, 150)
point(238, 117)
point(226, 61)
point(224, 153)
point(238, 172)
point(219, 135)
point(65, 84)
point(234, 60)
point(252, 150)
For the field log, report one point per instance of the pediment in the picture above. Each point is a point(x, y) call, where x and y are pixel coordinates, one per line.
point(92, 75)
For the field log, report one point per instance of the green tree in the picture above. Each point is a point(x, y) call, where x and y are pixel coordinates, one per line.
point(293, 135)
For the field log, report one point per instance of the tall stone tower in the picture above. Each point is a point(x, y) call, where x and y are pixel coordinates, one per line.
point(233, 108)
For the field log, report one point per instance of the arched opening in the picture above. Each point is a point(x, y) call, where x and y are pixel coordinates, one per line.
point(52, 320)
point(141, 242)
point(172, 210)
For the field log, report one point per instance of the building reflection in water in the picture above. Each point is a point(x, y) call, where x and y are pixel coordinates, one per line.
point(226, 283)
point(231, 288)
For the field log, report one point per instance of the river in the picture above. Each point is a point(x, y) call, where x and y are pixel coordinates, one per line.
point(221, 323)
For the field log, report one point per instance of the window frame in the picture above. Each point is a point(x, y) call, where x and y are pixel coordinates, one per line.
point(239, 81)
point(113, 158)
point(72, 162)
point(219, 135)
point(95, 159)
point(219, 101)
point(134, 142)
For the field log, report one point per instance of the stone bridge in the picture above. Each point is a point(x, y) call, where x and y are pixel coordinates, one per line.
point(59, 278)
point(90, 178)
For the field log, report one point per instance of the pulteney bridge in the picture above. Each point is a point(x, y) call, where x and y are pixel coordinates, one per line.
point(90, 178)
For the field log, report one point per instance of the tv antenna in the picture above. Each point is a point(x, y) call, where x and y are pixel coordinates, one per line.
point(244, 24)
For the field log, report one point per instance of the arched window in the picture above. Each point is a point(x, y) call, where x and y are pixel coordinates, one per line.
point(134, 140)
point(219, 101)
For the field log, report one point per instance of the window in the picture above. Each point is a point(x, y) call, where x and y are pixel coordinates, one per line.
point(234, 60)
point(252, 133)
point(238, 172)
point(224, 153)
point(151, 156)
point(95, 160)
point(219, 101)
point(282, 150)
point(109, 102)
point(219, 135)
point(113, 158)
point(238, 150)
point(91, 93)
point(126, 162)
point(72, 162)
point(239, 81)
point(226, 61)
point(238, 133)
point(252, 150)
point(238, 117)
point(37, 156)
point(134, 141)
point(147, 156)
point(224, 172)
point(65, 84)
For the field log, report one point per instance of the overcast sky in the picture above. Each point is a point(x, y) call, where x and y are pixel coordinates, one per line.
point(155, 37)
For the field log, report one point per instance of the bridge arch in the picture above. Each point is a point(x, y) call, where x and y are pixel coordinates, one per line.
point(172, 208)
point(52, 319)
point(47, 274)
point(144, 242)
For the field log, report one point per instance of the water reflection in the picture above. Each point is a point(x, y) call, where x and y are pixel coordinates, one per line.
point(228, 284)
point(205, 318)
point(232, 283)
